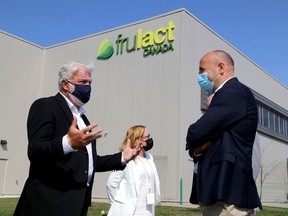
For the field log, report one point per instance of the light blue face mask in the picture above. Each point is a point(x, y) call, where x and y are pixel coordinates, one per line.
point(205, 83)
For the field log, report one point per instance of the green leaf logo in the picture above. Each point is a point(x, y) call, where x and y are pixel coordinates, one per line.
point(105, 50)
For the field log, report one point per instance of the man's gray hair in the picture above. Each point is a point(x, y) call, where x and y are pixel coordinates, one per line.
point(68, 69)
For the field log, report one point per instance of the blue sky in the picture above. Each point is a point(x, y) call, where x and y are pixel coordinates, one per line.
point(257, 28)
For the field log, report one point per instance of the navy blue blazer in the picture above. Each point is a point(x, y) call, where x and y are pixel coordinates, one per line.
point(225, 169)
point(57, 183)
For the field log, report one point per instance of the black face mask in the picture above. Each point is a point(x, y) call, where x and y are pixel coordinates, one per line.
point(149, 144)
point(82, 92)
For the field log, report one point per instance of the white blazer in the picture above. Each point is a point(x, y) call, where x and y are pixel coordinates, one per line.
point(123, 187)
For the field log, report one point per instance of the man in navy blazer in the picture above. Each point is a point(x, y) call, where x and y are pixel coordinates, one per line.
point(222, 140)
point(62, 150)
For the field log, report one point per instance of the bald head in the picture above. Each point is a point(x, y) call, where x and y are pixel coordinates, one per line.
point(219, 56)
point(220, 66)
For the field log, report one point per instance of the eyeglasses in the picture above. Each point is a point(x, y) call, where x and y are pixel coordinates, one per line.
point(146, 138)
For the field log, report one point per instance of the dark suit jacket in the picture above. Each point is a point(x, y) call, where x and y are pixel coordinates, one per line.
point(225, 170)
point(57, 183)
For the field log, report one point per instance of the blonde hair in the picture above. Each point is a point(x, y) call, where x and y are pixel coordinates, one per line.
point(135, 134)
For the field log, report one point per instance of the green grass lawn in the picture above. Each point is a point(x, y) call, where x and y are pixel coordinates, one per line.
point(7, 206)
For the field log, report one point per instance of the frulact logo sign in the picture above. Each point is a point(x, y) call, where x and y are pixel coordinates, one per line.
point(150, 42)
point(105, 50)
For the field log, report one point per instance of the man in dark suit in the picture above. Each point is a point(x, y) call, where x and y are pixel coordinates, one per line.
point(222, 140)
point(193, 197)
point(62, 150)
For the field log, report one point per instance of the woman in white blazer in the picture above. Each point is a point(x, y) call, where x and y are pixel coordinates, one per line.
point(135, 191)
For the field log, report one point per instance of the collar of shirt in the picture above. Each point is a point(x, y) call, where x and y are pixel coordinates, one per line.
point(74, 108)
point(223, 84)
point(81, 125)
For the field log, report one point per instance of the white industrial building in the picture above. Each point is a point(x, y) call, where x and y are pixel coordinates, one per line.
point(145, 73)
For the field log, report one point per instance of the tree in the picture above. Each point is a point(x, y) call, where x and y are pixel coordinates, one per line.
point(266, 169)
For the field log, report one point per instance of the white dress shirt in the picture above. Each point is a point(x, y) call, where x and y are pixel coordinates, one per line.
point(66, 146)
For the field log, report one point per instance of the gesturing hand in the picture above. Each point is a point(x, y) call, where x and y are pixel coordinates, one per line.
point(80, 138)
point(130, 153)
